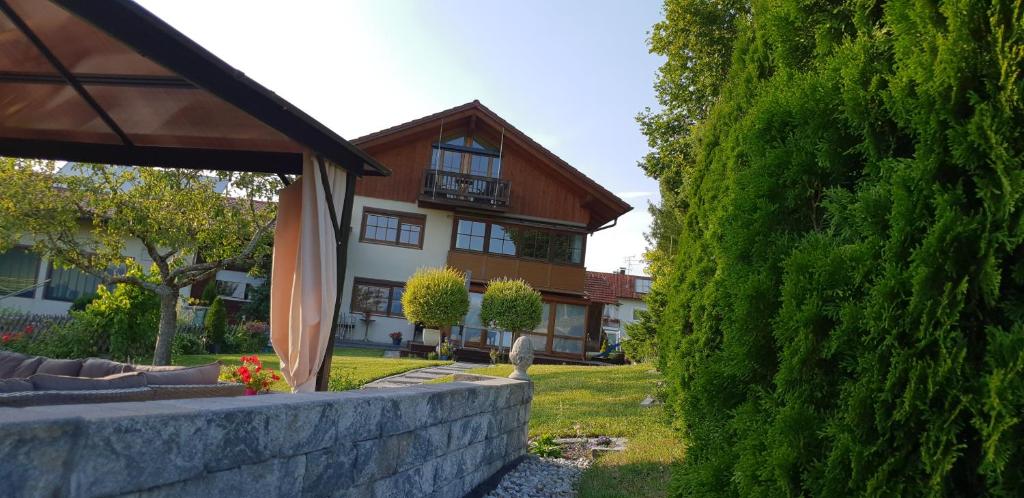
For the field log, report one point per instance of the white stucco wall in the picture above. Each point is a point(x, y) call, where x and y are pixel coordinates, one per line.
point(134, 249)
point(626, 308)
point(396, 264)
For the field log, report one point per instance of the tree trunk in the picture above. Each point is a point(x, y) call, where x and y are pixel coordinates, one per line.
point(168, 324)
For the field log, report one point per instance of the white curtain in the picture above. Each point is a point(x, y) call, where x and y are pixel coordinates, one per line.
point(304, 278)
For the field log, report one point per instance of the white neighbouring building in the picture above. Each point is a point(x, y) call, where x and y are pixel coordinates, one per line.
point(622, 297)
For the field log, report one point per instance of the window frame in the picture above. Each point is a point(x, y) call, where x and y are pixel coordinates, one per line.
point(370, 282)
point(486, 251)
point(403, 218)
point(647, 286)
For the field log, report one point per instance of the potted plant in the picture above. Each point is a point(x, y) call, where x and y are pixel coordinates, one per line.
point(511, 305)
point(251, 373)
point(445, 350)
point(435, 297)
point(396, 338)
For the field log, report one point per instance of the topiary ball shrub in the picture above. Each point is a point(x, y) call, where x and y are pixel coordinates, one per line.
point(435, 297)
point(511, 305)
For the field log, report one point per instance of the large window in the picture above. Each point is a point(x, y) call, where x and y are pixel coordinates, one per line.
point(570, 327)
point(18, 270)
point(470, 235)
point(68, 284)
point(642, 286)
point(392, 228)
point(520, 241)
point(467, 155)
point(377, 297)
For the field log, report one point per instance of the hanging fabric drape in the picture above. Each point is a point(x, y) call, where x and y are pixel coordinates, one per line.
point(304, 279)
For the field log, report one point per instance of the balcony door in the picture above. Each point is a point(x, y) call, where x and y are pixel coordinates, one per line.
point(468, 156)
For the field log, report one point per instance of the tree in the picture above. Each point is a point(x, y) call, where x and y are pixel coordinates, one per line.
point(216, 323)
point(839, 262)
point(435, 297)
point(175, 214)
point(511, 305)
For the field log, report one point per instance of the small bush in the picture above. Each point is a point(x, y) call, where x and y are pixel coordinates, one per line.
point(435, 297)
point(511, 305)
point(247, 338)
point(342, 380)
point(185, 343)
point(546, 447)
point(209, 293)
point(641, 344)
point(127, 316)
point(216, 323)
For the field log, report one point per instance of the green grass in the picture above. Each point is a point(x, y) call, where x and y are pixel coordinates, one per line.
point(605, 401)
point(362, 365)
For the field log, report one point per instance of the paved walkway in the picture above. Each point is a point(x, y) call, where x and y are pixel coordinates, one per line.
point(421, 375)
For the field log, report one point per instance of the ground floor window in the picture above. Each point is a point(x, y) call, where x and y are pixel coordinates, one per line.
point(378, 297)
point(18, 271)
point(68, 284)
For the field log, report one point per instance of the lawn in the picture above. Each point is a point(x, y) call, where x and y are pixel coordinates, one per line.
point(595, 401)
point(359, 366)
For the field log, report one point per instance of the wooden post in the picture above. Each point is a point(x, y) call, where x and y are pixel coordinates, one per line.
point(341, 236)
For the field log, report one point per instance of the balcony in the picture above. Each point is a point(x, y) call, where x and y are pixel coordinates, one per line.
point(459, 189)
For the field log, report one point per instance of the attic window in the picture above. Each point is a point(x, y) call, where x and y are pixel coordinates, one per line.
point(642, 285)
point(467, 155)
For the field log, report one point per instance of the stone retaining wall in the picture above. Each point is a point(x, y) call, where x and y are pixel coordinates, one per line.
point(438, 440)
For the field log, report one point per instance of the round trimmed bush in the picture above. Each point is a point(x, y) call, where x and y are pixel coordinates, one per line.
point(435, 297)
point(511, 305)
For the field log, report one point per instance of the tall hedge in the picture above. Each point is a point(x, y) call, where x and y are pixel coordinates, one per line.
point(844, 289)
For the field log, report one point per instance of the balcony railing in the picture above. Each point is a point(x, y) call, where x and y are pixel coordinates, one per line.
point(458, 188)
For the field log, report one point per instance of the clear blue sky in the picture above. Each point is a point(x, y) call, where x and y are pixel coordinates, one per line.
point(572, 75)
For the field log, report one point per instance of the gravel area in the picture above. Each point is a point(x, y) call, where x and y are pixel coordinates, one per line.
point(541, 478)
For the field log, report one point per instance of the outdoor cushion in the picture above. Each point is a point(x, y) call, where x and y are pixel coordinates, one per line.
point(198, 375)
point(60, 367)
point(14, 385)
point(27, 367)
point(127, 380)
point(98, 367)
point(9, 361)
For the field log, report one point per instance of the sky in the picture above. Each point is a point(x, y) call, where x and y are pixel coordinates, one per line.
point(570, 74)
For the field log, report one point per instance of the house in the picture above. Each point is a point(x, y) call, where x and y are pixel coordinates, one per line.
point(471, 191)
point(32, 284)
point(616, 298)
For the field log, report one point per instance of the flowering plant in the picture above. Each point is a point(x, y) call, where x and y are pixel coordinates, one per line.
point(395, 336)
point(252, 374)
point(10, 338)
point(445, 348)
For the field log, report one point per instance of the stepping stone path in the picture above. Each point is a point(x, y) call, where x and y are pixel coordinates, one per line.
point(421, 375)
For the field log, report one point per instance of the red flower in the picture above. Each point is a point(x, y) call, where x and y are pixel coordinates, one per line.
point(6, 338)
point(243, 372)
point(29, 329)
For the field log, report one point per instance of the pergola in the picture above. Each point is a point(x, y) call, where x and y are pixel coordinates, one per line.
point(109, 82)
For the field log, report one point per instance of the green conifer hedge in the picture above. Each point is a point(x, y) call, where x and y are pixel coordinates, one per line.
point(844, 308)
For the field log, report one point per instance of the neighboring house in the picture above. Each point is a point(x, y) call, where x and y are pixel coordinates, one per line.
point(47, 289)
point(471, 191)
point(617, 298)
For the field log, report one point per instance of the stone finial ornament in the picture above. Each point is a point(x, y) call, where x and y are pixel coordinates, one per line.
point(521, 357)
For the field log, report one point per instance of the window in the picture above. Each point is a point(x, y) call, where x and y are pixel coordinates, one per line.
point(642, 285)
point(466, 155)
point(502, 241)
point(470, 235)
point(379, 298)
point(68, 284)
point(226, 288)
point(392, 228)
point(535, 244)
point(18, 270)
point(567, 248)
point(637, 312)
point(530, 243)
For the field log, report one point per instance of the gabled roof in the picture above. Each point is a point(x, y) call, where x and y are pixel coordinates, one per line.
point(109, 82)
point(609, 288)
point(612, 204)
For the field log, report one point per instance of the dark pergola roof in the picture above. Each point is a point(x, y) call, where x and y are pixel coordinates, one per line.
point(109, 82)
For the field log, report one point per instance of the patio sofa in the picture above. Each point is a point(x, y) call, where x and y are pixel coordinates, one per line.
point(36, 380)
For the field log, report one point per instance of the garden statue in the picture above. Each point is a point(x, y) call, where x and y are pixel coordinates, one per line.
point(521, 357)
